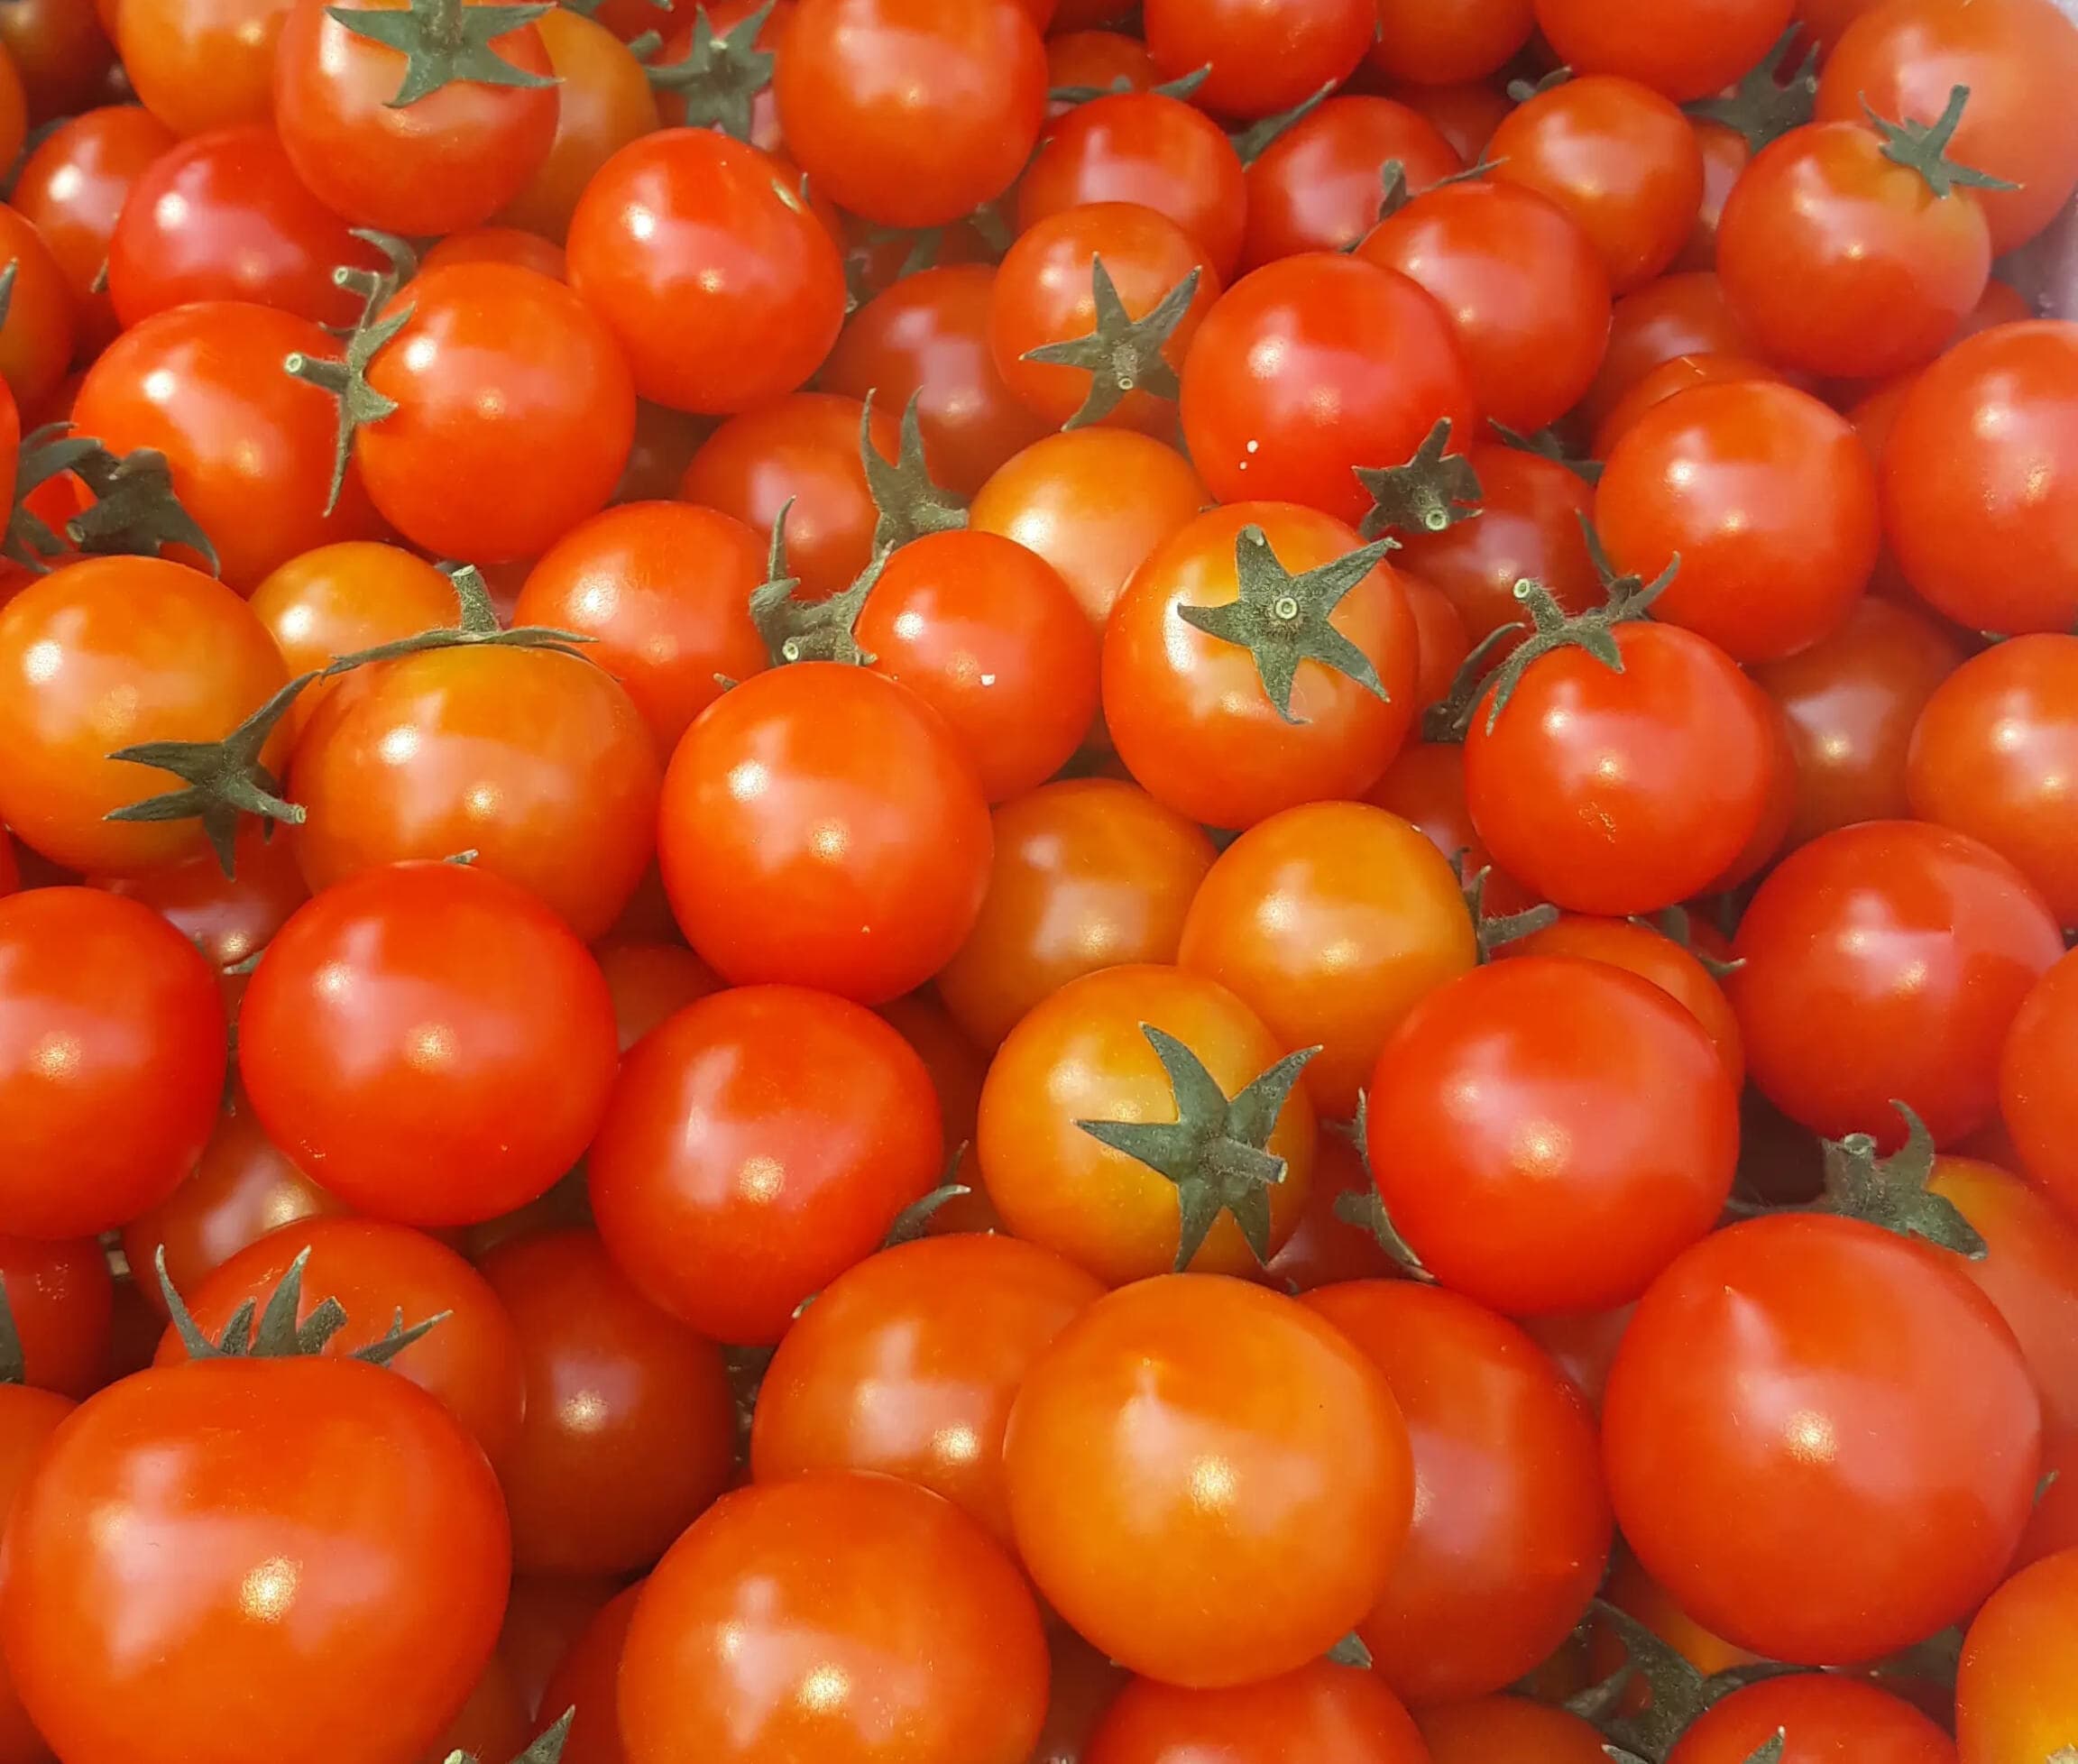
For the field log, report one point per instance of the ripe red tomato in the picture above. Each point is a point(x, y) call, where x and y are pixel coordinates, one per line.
point(788, 1183)
point(431, 1042)
point(1317, 186)
point(28, 1417)
point(2014, 1693)
point(1508, 1730)
point(631, 1428)
point(60, 1297)
point(583, 1681)
point(857, 1620)
point(1677, 315)
point(1512, 1527)
point(1668, 379)
point(229, 918)
point(1432, 45)
point(604, 102)
point(911, 112)
point(1262, 59)
point(1819, 1717)
point(1884, 964)
point(1324, 1712)
point(787, 859)
point(1651, 955)
point(2034, 1096)
point(1691, 54)
point(1207, 1481)
point(1797, 1401)
point(194, 68)
point(1726, 156)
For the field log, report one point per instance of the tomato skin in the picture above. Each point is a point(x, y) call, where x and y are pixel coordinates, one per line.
point(199, 67)
point(1325, 1248)
point(1523, 286)
point(232, 1495)
point(766, 892)
point(1263, 60)
point(1667, 381)
point(1325, 1712)
point(28, 1417)
point(650, 982)
point(1790, 1366)
point(1651, 956)
point(1331, 920)
point(1706, 49)
point(907, 1363)
point(604, 102)
point(2034, 1094)
point(1188, 710)
point(1618, 159)
point(923, 1633)
point(228, 918)
point(1317, 186)
point(62, 1297)
point(1459, 40)
point(1821, 1718)
point(583, 1680)
point(498, 244)
point(2014, 1693)
point(1508, 1730)
point(1512, 1527)
point(1886, 962)
point(1680, 314)
point(447, 160)
point(787, 1187)
point(911, 112)
point(465, 1069)
point(1105, 1457)
point(1258, 413)
point(629, 1430)
point(722, 287)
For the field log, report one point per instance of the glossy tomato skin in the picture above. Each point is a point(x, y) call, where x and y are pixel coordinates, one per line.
point(785, 857)
point(604, 102)
point(2014, 1693)
point(1651, 955)
point(28, 1417)
point(855, 1618)
point(722, 287)
point(111, 1060)
point(629, 1430)
point(1317, 186)
point(1262, 61)
point(36, 338)
point(1325, 1712)
point(907, 1363)
point(430, 1043)
point(1679, 313)
point(1507, 1729)
point(1884, 964)
point(229, 918)
point(62, 1297)
point(1827, 1391)
point(1312, 367)
point(445, 161)
point(583, 1680)
point(1820, 1717)
point(787, 1185)
point(1484, 1192)
point(1512, 1527)
point(1706, 47)
point(197, 68)
point(2034, 1096)
point(1684, 374)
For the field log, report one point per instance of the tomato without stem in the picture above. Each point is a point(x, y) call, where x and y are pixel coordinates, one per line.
point(1677, 315)
point(28, 1417)
point(2014, 1694)
point(1441, 45)
point(1508, 1730)
point(1326, 1713)
point(2034, 1097)
point(1819, 1718)
point(196, 67)
point(1262, 59)
point(1691, 55)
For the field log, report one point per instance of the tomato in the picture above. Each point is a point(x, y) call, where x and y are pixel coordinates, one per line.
point(1796, 1399)
point(788, 1183)
point(533, 760)
point(1093, 503)
point(1726, 156)
point(315, 1527)
point(650, 982)
point(1441, 642)
point(907, 1364)
point(584, 1682)
point(249, 447)
point(722, 287)
point(1327, 1246)
point(60, 1298)
point(631, 1428)
point(927, 338)
point(229, 918)
point(911, 112)
point(198, 66)
point(2054, 1527)
point(1096, 61)
point(1319, 184)
point(1693, 55)
point(1325, 1712)
point(1148, 148)
point(787, 858)
point(956, 1067)
point(1082, 1055)
point(604, 102)
point(1259, 658)
point(429, 1041)
point(2034, 1098)
point(1508, 1730)
point(1768, 499)
point(545, 1618)
point(2018, 58)
point(1466, 114)
point(1207, 1480)
point(36, 337)
point(712, 82)
point(1675, 316)
point(1261, 59)
point(1425, 786)
point(1312, 367)
point(1617, 158)
point(1844, 261)
point(1651, 955)
point(1819, 1718)
point(1669, 380)
point(1441, 45)
point(2014, 1694)
point(445, 158)
point(1332, 922)
point(1887, 962)
point(28, 1417)
point(1512, 1527)
point(498, 244)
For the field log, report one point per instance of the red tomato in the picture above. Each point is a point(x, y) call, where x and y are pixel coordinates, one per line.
point(28, 1417)
point(1819, 1718)
point(196, 67)
point(2014, 1694)
point(2034, 1096)
point(1326, 1246)
point(854, 1619)
point(1262, 59)
point(544, 1619)
point(60, 1298)
point(1684, 374)
point(631, 1428)
point(1690, 54)
point(1441, 44)
point(1726, 156)
point(1323, 1713)
point(1098, 62)
point(650, 982)
point(1797, 1400)
point(1508, 1730)
point(1317, 186)
point(429, 1041)
point(1207, 1481)
point(787, 858)
point(1653, 956)
point(911, 112)
point(1467, 115)
point(1884, 964)
point(229, 918)
point(1512, 1527)
point(788, 1183)
point(604, 102)
point(1675, 316)
point(498, 244)
point(584, 1682)
point(1441, 643)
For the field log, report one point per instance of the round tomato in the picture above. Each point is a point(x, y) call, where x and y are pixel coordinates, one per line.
point(193, 67)
point(604, 102)
point(1323, 182)
point(1684, 374)
point(1260, 60)
point(28, 1417)
point(2034, 1095)
point(2014, 1696)
point(1675, 316)
point(1323, 1713)
point(1688, 54)
point(1819, 1718)
point(1508, 1730)
point(1442, 43)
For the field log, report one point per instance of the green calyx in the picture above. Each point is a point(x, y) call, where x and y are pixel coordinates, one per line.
point(1183, 86)
point(1675, 925)
point(910, 503)
point(1351, 1651)
point(1771, 100)
point(1923, 147)
point(1434, 490)
point(1252, 143)
point(374, 287)
point(1892, 1192)
point(135, 513)
point(1545, 444)
point(14, 1363)
point(1123, 354)
point(475, 627)
point(546, 1749)
point(1394, 194)
point(719, 77)
point(1367, 1211)
point(278, 1336)
point(797, 630)
point(445, 43)
point(1520, 91)
point(1445, 720)
point(346, 380)
point(1679, 1692)
point(1496, 933)
point(915, 1219)
point(1283, 619)
point(1215, 1151)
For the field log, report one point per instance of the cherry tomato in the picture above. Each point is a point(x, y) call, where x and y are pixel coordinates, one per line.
point(1466, 114)
point(498, 244)
point(2033, 1097)
point(229, 918)
point(1097, 60)
point(1325, 1712)
point(429, 1041)
point(584, 1682)
point(1653, 956)
point(604, 102)
point(61, 1298)
point(1675, 316)
point(1319, 187)
point(1434, 45)
point(1689, 55)
point(1819, 1718)
point(1669, 380)
point(1326, 1247)
point(1508, 1730)
point(956, 1067)
point(1884, 964)
point(198, 66)
point(36, 337)
point(723, 19)
point(1425, 786)
point(650, 982)
point(2014, 1693)
point(1726, 156)
point(1796, 1399)
point(1261, 59)
point(28, 1417)
point(545, 1618)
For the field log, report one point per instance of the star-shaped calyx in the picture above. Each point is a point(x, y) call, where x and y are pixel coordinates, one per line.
point(135, 513)
point(910, 502)
point(1366, 1210)
point(444, 42)
point(1123, 354)
point(1893, 1192)
point(346, 380)
point(797, 630)
point(1923, 147)
point(1214, 1149)
point(1433, 490)
point(545, 1749)
point(1282, 618)
point(1769, 101)
point(278, 1336)
point(718, 78)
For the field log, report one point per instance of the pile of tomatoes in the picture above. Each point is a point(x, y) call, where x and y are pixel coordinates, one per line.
point(1037, 882)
